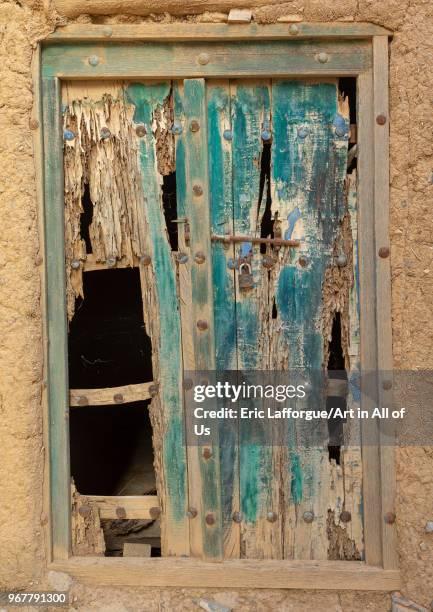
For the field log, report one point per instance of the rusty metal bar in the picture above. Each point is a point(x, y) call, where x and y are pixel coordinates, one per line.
point(275, 241)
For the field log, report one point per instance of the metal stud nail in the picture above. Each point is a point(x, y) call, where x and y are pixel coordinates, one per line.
point(176, 128)
point(237, 517)
point(145, 260)
point(75, 264)
point(105, 133)
point(341, 260)
point(389, 518)
point(154, 512)
point(153, 389)
point(68, 135)
point(110, 262)
point(120, 512)
point(191, 513)
point(210, 519)
point(228, 135)
point(188, 384)
point(82, 400)
point(387, 385)
point(182, 258)
point(194, 126)
point(293, 29)
point(197, 190)
point(85, 511)
point(33, 124)
point(140, 130)
point(107, 31)
point(268, 261)
point(207, 453)
point(93, 60)
point(381, 119)
point(203, 59)
point(118, 398)
point(323, 57)
point(308, 516)
point(202, 325)
point(271, 517)
point(266, 135)
point(232, 264)
point(303, 132)
point(199, 257)
point(345, 516)
point(303, 261)
point(384, 252)
point(429, 527)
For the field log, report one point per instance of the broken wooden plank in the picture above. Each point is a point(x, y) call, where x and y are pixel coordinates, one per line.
point(87, 534)
point(126, 506)
point(90, 264)
point(112, 395)
point(160, 296)
point(212, 32)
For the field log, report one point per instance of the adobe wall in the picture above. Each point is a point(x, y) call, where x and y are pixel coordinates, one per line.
point(22, 560)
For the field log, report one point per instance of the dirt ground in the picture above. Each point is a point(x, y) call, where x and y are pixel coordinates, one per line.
point(22, 467)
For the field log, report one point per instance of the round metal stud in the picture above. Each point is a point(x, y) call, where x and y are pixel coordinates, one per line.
point(210, 519)
point(389, 518)
point(191, 513)
point(140, 130)
point(85, 511)
point(188, 384)
point(232, 264)
point(228, 135)
point(93, 60)
point(110, 262)
point(303, 261)
point(202, 325)
point(345, 516)
point(203, 59)
point(107, 31)
point(154, 512)
point(75, 264)
point(341, 260)
point(33, 124)
point(145, 260)
point(199, 257)
point(118, 398)
point(308, 516)
point(293, 29)
point(105, 133)
point(82, 401)
point(384, 252)
point(194, 126)
point(153, 389)
point(68, 135)
point(268, 262)
point(207, 453)
point(303, 132)
point(182, 258)
point(381, 119)
point(429, 527)
point(120, 512)
point(237, 517)
point(176, 128)
point(266, 135)
point(322, 57)
point(387, 385)
point(271, 517)
point(197, 190)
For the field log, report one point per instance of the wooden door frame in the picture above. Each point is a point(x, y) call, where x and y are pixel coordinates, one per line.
point(359, 50)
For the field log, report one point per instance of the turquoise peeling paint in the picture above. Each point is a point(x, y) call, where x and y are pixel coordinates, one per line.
point(296, 484)
point(146, 98)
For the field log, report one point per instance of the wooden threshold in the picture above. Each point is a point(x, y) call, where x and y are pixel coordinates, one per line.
point(258, 574)
point(126, 506)
point(214, 31)
point(111, 395)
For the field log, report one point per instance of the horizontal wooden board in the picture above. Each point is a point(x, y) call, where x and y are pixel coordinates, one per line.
point(91, 265)
point(331, 575)
point(229, 59)
point(134, 506)
point(110, 395)
point(214, 31)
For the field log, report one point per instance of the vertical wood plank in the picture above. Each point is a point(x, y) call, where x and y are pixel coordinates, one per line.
point(204, 472)
point(57, 349)
point(223, 275)
point(174, 521)
point(383, 288)
point(367, 297)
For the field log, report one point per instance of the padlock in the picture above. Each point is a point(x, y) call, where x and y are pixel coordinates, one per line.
point(246, 280)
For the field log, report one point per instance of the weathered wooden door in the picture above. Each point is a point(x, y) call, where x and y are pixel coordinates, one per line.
point(253, 160)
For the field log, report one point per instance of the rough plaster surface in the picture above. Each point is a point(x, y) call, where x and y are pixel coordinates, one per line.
point(22, 518)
